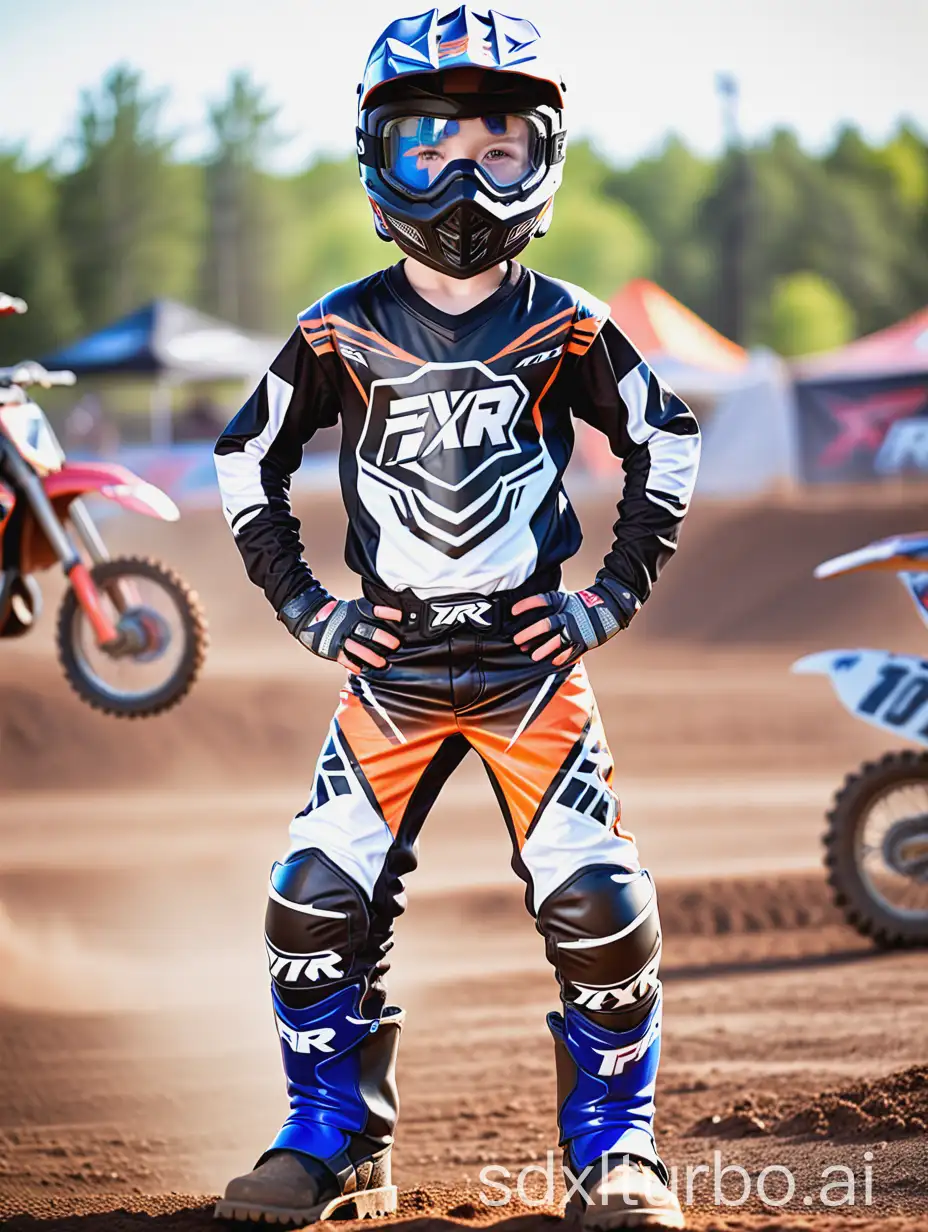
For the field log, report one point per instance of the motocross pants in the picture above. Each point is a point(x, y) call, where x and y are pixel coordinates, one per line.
point(458, 683)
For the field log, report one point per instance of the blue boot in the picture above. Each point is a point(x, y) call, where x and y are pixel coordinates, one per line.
point(333, 1150)
point(605, 1082)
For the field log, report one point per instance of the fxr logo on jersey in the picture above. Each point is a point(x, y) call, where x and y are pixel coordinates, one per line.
point(453, 449)
point(442, 420)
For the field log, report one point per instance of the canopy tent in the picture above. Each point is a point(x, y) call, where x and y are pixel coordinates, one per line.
point(750, 443)
point(167, 337)
point(901, 349)
point(862, 410)
point(172, 343)
point(686, 352)
point(702, 365)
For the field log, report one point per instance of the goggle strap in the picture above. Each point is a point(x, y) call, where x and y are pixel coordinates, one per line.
point(368, 148)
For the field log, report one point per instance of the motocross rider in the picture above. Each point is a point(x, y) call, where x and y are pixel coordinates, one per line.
point(454, 375)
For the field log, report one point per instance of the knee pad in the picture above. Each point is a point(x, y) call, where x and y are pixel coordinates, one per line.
point(316, 928)
point(603, 937)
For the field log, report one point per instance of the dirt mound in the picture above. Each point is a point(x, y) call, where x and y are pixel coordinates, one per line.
point(743, 574)
point(745, 905)
point(49, 739)
point(892, 1107)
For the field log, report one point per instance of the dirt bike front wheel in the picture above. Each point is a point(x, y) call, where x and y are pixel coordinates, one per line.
point(161, 644)
point(876, 850)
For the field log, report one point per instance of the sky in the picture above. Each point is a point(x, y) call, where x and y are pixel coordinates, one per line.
point(635, 71)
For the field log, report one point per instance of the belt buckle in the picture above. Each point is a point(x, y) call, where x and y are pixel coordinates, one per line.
point(476, 611)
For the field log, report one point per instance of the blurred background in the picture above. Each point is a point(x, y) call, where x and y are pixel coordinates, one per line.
point(747, 185)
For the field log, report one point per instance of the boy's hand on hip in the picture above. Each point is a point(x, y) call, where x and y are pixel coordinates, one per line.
point(574, 621)
point(347, 631)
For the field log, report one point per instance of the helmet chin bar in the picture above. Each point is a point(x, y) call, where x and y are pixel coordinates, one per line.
point(465, 240)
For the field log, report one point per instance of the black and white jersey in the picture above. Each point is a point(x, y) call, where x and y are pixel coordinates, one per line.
point(456, 431)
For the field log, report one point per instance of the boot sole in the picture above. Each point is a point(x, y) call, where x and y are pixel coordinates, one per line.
point(365, 1204)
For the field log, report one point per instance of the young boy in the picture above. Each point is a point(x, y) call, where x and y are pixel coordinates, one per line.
point(454, 375)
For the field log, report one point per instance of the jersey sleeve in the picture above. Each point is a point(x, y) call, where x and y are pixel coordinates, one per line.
point(255, 458)
point(656, 436)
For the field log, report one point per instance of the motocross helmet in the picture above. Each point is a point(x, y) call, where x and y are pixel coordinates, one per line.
point(461, 137)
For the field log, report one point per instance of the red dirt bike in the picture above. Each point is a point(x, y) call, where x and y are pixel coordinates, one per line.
point(131, 634)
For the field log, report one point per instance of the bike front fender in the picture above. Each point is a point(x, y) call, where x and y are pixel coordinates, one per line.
point(889, 691)
point(115, 483)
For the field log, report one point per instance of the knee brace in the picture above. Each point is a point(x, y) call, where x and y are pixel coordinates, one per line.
point(317, 927)
point(603, 937)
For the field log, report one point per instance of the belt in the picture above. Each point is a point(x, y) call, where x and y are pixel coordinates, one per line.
point(445, 614)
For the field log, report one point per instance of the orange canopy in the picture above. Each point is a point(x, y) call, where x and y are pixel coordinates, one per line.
point(660, 326)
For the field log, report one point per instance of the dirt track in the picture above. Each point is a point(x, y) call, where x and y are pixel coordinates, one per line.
point(134, 1040)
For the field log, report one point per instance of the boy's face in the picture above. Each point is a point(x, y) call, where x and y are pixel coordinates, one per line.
point(423, 147)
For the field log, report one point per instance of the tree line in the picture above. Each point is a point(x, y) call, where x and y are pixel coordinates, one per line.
point(770, 243)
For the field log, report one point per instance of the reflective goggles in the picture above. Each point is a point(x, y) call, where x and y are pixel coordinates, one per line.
point(507, 149)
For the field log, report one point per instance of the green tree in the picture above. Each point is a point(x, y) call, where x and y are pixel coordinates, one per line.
point(329, 232)
point(595, 241)
point(666, 192)
point(31, 262)
point(808, 314)
point(243, 219)
point(130, 217)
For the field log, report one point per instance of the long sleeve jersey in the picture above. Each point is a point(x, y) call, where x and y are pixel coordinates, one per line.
point(455, 434)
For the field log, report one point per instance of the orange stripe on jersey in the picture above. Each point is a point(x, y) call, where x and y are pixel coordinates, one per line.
point(361, 345)
point(553, 333)
point(323, 348)
point(311, 335)
point(516, 343)
point(389, 347)
point(584, 334)
point(354, 376)
point(536, 409)
point(589, 325)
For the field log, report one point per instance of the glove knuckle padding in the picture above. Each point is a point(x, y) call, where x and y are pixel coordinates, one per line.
point(602, 935)
point(329, 640)
point(576, 612)
point(317, 924)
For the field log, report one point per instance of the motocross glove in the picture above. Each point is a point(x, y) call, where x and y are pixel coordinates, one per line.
point(325, 625)
point(569, 623)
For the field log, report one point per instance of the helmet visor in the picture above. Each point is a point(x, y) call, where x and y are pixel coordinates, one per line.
point(507, 149)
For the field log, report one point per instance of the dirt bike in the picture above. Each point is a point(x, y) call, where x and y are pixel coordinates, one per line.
point(876, 842)
point(131, 634)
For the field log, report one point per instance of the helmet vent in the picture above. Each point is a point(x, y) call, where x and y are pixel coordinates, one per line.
point(406, 229)
point(462, 244)
point(523, 228)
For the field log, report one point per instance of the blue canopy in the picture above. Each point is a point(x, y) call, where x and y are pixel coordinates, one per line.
point(168, 338)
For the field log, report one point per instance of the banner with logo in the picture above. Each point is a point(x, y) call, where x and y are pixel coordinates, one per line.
point(862, 430)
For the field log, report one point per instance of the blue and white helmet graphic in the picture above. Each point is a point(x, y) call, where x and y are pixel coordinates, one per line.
point(461, 137)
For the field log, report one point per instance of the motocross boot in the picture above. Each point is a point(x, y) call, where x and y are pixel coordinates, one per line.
point(605, 1086)
point(332, 1154)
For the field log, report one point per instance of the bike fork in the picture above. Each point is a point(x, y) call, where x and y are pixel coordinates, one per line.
point(74, 568)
